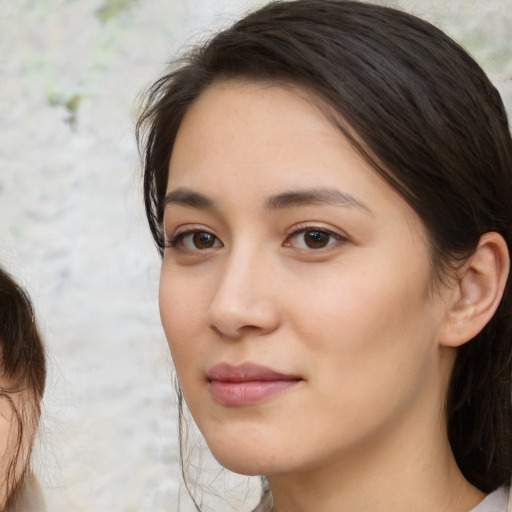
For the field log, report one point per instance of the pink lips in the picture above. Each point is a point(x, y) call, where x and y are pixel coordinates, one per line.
point(246, 384)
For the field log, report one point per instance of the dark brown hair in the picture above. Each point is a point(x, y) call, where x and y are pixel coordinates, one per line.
point(23, 367)
point(426, 117)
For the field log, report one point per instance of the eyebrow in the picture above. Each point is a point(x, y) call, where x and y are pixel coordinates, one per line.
point(281, 201)
point(314, 196)
point(186, 197)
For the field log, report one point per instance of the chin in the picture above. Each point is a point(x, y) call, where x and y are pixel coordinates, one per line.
point(241, 462)
point(247, 460)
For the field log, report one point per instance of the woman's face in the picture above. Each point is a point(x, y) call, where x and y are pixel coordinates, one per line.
point(295, 288)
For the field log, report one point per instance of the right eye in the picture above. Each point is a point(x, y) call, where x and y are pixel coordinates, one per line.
point(195, 240)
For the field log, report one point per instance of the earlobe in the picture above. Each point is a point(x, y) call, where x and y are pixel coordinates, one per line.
point(478, 292)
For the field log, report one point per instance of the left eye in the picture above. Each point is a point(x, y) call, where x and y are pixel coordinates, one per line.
point(195, 241)
point(313, 239)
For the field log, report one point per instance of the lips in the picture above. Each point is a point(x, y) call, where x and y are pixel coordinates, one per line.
point(247, 384)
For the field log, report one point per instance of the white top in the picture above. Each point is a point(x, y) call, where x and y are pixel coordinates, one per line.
point(497, 501)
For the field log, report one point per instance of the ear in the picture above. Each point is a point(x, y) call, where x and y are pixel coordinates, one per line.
point(478, 291)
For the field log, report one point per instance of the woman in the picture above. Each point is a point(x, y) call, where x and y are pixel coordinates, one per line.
point(22, 383)
point(329, 185)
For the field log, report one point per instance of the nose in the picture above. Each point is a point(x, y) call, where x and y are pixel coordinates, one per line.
point(243, 302)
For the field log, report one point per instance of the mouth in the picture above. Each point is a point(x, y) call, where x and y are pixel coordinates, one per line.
point(247, 384)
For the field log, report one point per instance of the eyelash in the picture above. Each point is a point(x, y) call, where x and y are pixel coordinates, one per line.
point(178, 238)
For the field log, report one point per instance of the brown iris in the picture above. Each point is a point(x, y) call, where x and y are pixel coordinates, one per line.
point(316, 239)
point(203, 240)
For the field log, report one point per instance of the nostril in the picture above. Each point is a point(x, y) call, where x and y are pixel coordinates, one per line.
point(250, 328)
point(227, 331)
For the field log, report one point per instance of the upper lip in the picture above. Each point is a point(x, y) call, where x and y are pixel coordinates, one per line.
point(246, 372)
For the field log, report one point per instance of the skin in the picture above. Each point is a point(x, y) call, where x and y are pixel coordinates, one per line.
point(9, 438)
point(356, 319)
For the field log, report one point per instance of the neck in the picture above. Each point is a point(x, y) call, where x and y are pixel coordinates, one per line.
point(426, 480)
point(408, 466)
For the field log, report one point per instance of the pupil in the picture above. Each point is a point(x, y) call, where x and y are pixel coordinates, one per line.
point(203, 240)
point(316, 239)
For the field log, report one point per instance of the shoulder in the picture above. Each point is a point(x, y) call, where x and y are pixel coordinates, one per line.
point(498, 501)
point(29, 497)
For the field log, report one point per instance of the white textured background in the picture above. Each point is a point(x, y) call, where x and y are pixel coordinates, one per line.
point(72, 227)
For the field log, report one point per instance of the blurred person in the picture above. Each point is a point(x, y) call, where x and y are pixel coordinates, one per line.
point(22, 381)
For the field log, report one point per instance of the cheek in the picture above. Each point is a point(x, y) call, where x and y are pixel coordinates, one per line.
point(183, 304)
point(178, 302)
point(372, 323)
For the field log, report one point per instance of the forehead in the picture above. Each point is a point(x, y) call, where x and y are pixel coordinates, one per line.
point(273, 135)
point(268, 111)
point(238, 124)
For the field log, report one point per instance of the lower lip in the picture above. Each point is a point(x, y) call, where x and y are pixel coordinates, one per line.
point(248, 393)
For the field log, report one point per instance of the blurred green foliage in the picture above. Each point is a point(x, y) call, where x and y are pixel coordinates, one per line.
point(70, 103)
point(112, 8)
